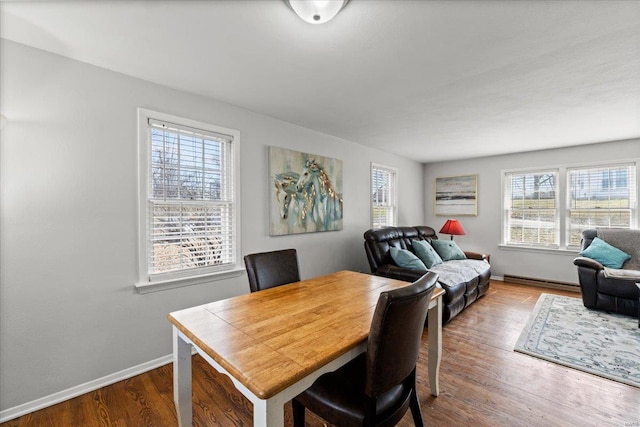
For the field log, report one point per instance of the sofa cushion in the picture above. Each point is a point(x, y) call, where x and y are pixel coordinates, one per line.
point(405, 259)
point(426, 253)
point(605, 254)
point(448, 250)
point(627, 240)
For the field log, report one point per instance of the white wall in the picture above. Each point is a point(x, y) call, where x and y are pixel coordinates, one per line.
point(68, 310)
point(483, 232)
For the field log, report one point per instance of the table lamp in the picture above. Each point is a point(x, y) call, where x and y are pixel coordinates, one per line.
point(452, 227)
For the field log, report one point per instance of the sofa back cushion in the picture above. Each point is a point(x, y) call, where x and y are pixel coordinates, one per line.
point(605, 254)
point(626, 240)
point(378, 242)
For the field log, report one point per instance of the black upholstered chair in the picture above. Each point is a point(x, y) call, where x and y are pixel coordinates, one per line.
point(377, 388)
point(608, 289)
point(269, 269)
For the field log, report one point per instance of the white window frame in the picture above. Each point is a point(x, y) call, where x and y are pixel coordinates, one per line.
point(154, 282)
point(392, 203)
point(506, 207)
point(633, 195)
point(563, 201)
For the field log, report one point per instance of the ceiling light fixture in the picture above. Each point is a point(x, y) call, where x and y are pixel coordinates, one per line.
point(317, 11)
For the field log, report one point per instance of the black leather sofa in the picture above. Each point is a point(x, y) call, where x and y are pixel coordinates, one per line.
point(609, 289)
point(460, 289)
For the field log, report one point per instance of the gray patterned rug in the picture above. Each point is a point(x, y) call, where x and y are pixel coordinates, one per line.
point(563, 331)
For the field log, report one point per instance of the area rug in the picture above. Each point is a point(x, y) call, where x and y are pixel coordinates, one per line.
point(563, 331)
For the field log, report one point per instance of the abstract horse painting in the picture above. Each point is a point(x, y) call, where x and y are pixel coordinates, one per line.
point(306, 195)
point(286, 193)
point(327, 202)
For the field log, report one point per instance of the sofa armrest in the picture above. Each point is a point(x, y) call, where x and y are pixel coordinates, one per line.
point(582, 261)
point(394, 272)
point(476, 255)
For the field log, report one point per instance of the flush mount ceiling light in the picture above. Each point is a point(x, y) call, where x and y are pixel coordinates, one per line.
point(316, 11)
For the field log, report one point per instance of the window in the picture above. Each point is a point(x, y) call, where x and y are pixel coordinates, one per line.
point(384, 211)
point(602, 196)
point(531, 208)
point(551, 207)
point(189, 213)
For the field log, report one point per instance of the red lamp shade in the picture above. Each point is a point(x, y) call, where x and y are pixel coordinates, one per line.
point(452, 227)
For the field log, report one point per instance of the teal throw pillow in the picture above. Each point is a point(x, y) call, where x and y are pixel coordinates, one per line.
point(405, 259)
point(605, 254)
point(426, 253)
point(448, 250)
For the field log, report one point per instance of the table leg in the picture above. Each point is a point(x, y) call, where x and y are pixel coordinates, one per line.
point(268, 412)
point(182, 379)
point(638, 285)
point(435, 345)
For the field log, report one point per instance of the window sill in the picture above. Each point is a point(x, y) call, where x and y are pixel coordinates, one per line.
point(555, 251)
point(147, 287)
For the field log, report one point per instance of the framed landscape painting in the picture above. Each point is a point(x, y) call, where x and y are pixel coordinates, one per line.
point(305, 192)
point(456, 195)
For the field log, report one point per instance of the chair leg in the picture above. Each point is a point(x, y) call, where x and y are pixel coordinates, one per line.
point(415, 409)
point(298, 413)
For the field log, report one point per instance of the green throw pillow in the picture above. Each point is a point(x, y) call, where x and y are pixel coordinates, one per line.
point(426, 253)
point(605, 254)
point(448, 250)
point(405, 259)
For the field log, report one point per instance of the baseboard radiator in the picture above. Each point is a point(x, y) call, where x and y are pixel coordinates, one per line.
point(545, 283)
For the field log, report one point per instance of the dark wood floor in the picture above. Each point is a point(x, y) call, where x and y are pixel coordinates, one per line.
point(483, 383)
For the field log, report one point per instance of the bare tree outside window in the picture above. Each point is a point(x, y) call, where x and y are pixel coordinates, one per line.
point(189, 210)
point(537, 209)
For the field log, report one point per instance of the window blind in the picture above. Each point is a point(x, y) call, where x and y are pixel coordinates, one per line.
point(603, 196)
point(190, 200)
point(383, 199)
point(531, 206)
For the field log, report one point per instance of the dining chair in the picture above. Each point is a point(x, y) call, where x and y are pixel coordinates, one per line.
point(377, 387)
point(270, 269)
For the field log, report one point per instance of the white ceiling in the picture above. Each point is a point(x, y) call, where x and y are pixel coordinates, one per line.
point(428, 80)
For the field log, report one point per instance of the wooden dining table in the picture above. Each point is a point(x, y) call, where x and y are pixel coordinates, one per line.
point(273, 344)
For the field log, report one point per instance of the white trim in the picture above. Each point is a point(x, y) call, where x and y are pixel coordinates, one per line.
point(506, 189)
point(147, 287)
point(70, 393)
point(394, 191)
point(597, 163)
point(562, 200)
point(144, 285)
point(556, 251)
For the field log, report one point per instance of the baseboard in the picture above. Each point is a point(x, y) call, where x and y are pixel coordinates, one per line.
point(61, 396)
point(544, 283)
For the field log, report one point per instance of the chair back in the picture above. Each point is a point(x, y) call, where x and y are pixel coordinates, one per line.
point(269, 269)
point(395, 335)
